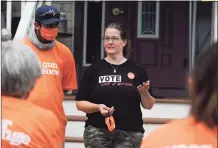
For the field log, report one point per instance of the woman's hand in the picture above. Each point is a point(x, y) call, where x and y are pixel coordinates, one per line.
point(143, 89)
point(105, 111)
point(146, 99)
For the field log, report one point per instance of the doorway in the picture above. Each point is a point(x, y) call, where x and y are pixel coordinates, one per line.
point(93, 32)
point(165, 56)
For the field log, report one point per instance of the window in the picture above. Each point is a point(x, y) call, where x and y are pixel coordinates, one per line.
point(148, 19)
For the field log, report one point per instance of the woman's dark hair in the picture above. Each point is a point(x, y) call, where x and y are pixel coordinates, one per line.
point(205, 77)
point(124, 35)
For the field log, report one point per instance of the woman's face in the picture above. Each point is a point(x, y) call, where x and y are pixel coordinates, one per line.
point(113, 43)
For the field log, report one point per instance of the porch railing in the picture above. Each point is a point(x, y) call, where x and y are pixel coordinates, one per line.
point(8, 15)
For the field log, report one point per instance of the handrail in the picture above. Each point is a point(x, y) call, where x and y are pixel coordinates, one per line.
point(166, 100)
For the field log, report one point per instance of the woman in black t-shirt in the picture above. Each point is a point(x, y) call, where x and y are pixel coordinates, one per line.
point(114, 88)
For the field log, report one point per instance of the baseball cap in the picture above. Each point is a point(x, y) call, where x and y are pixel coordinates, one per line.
point(47, 15)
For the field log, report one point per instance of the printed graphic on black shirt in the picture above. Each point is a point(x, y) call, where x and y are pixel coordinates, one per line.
point(110, 78)
point(113, 80)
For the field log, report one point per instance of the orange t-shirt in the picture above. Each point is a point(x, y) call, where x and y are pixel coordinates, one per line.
point(26, 125)
point(58, 74)
point(183, 133)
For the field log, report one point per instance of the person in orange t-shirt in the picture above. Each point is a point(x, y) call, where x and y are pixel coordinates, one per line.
point(57, 65)
point(24, 124)
point(199, 130)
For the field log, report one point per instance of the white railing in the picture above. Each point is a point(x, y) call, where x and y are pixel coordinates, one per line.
point(215, 22)
point(8, 14)
point(22, 6)
point(28, 17)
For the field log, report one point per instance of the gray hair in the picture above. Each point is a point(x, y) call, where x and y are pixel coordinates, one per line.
point(20, 67)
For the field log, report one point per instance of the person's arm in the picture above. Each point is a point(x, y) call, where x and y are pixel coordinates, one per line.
point(69, 81)
point(51, 134)
point(56, 142)
point(147, 100)
point(83, 95)
point(83, 102)
point(87, 106)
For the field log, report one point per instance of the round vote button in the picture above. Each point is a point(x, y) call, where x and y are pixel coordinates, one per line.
point(131, 75)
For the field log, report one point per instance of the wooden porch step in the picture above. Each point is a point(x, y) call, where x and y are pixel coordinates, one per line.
point(166, 100)
point(145, 120)
point(74, 139)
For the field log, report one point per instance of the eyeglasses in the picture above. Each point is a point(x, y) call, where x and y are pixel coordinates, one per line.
point(113, 39)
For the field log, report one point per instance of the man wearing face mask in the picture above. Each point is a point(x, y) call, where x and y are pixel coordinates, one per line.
point(57, 65)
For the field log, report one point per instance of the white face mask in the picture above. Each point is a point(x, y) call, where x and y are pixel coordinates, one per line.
point(38, 44)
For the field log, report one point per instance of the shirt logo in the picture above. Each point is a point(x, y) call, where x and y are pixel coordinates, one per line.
point(49, 68)
point(15, 138)
point(110, 78)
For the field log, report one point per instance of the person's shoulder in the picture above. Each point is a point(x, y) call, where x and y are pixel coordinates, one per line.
point(27, 40)
point(172, 125)
point(176, 132)
point(33, 119)
point(39, 117)
point(58, 43)
point(166, 132)
point(96, 65)
point(99, 62)
point(62, 49)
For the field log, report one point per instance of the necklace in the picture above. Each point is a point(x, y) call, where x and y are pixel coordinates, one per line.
point(115, 69)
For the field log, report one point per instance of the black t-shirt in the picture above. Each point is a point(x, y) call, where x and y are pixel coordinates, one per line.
point(101, 85)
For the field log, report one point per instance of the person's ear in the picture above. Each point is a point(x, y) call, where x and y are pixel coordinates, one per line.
point(37, 26)
point(124, 42)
